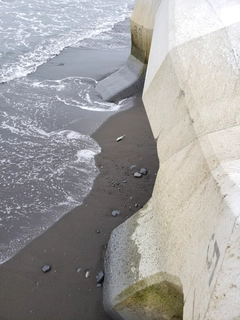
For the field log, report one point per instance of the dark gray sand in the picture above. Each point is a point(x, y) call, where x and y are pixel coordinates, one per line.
point(83, 62)
point(74, 244)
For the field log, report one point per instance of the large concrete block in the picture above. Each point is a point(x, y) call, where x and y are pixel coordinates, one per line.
point(179, 256)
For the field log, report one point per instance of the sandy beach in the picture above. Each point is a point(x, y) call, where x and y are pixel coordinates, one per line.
point(77, 242)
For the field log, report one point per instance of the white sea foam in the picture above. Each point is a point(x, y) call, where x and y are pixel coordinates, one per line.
point(74, 135)
point(76, 92)
point(85, 155)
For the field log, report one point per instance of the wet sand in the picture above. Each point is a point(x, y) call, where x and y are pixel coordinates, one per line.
point(74, 245)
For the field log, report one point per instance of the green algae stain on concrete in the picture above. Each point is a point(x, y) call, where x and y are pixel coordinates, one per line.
point(161, 301)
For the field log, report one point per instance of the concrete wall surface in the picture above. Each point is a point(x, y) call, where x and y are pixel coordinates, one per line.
point(179, 256)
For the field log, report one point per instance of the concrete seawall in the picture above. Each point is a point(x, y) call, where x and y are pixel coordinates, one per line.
point(179, 256)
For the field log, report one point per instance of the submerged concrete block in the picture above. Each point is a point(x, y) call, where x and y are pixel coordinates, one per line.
point(123, 83)
point(181, 251)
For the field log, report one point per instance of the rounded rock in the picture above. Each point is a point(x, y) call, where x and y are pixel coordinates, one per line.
point(137, 175)
point(115, 213)
point(143, 171)
point(46, 268)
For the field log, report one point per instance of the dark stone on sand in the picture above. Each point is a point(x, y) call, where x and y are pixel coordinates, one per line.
point(115, 213)
point(137, 175)
point(100, 277)
point(97, 231)
point(46, 268)
point(143, 171)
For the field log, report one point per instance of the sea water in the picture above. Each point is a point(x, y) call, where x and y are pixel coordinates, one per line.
point(47, 167)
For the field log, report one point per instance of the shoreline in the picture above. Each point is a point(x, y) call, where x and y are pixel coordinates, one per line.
point(71, 63)
point(73, 241)
point(76, 243)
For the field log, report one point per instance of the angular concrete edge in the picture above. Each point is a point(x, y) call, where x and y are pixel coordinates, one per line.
point(130, 78)
point(127, 293)
point(123, 83)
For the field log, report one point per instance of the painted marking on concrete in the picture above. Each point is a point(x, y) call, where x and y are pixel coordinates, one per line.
point(213, 255)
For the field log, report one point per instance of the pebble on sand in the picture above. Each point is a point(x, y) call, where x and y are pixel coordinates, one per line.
point(115, 213)
point(137, 175)
point(143, 171)
point(133, 167)
point(120, 138)
point(100, 277)
point(46, 268)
